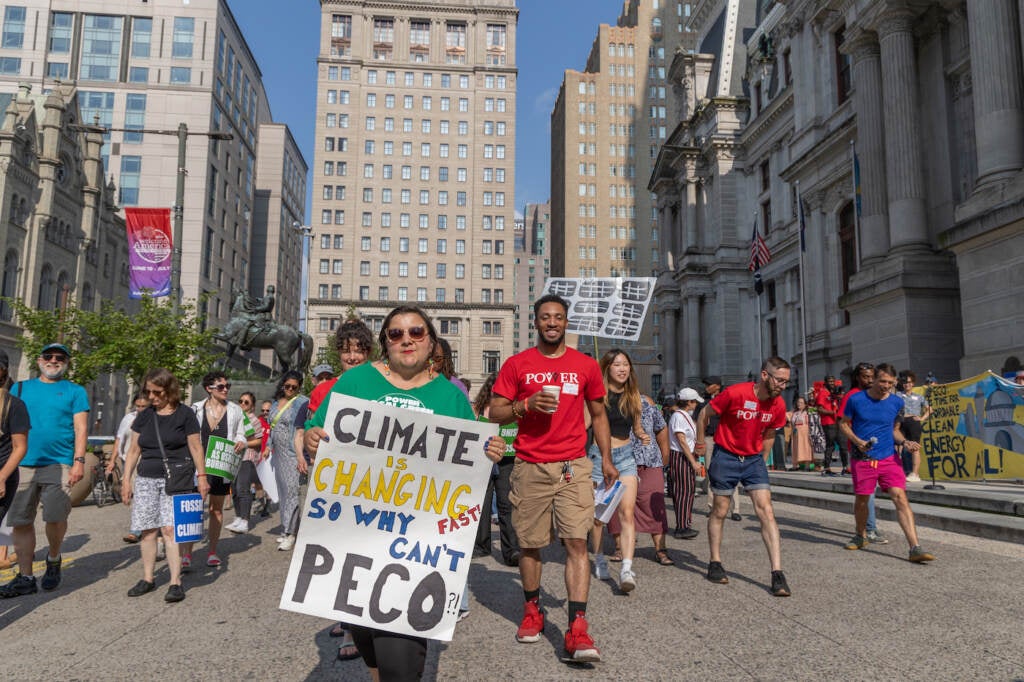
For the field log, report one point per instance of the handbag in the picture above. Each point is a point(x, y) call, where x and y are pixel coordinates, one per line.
point(180, 475)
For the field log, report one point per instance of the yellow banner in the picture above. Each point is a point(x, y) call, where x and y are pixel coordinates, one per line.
point(976, 430)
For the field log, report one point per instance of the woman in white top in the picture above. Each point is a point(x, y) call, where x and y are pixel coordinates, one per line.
point(683, 465)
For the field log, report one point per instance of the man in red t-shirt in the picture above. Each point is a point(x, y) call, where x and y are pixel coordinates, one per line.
point(827, 402)
point(748, 415)
point(546, 390)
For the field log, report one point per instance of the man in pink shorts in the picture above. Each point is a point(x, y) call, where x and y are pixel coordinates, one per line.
point(871, 422)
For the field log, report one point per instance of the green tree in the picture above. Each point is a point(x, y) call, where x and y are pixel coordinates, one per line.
point(113, 341)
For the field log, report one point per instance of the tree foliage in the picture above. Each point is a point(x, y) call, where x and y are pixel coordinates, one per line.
point(113, 341)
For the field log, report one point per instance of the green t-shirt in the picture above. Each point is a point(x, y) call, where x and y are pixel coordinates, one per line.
point(438, 396)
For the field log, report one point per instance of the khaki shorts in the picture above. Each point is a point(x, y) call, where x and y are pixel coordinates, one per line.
point(541, 495)
point(48, 484)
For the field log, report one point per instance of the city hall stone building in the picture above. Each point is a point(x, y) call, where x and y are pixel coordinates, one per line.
point(922, 269)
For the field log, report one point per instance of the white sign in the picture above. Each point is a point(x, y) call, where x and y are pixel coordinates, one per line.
point(612, 307)
point(389, 519)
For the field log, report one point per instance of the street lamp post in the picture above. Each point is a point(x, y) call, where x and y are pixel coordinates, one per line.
point(182, 132)
point(307, 233)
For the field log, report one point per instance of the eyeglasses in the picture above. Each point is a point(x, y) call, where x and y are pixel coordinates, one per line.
point(54, 357)
point(243, 401)
point(264, 411)
point(291, 387)
point(220, 387)
point(777, 381)
point(416, 333)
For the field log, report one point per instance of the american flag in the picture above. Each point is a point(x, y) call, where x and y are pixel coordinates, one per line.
point(759, 253)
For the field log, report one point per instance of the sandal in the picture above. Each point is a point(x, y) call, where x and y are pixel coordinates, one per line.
point(338, 630)
point(617, 556)
point(347, 651)
point(663, 558)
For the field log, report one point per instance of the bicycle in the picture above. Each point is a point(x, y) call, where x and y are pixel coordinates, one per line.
point(106, 488)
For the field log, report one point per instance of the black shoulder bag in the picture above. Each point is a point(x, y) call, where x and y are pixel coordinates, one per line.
point(180, 475)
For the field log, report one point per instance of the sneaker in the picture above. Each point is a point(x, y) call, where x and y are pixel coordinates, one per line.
point(856, 542)
point(213, 561)
point(51, 579)
point(279, 539)
point(186, 562)
point(716, 573)
point(877, 538)
point(913, 478)
point(174, 593)
point(463, 615)
point(20, 586)
point(601, 567)
point(919, 556)
point(627, 581)
point(779, 586)
point(687, 533)
point(286, 544)
point(142, 587)
point(578, 644)
point(130, 538)
point(239, 526)
point(161, 551)
point(736, 516)
point(532, 625)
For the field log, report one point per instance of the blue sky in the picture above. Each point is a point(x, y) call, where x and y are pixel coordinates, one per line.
point(553, 35)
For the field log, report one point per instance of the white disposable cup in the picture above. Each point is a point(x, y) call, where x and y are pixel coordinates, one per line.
point(552, 390)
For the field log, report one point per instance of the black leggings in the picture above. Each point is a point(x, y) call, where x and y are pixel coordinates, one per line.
point(396, 657)
point(242, 489)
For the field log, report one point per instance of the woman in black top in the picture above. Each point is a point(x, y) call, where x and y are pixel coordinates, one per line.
point(14, 427)
point(152, 507)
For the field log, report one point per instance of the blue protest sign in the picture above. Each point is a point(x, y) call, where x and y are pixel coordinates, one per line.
point(188, 518)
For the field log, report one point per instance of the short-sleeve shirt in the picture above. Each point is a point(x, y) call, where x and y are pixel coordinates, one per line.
point(652, 421)
point(437, 396)
point(874, 418)
point(681, 422)
point(124, 434)
point(52, 407)
point(743, 418)
point(175, 428)
point(15, 421)
point(560, 436)
point(846, 399)
point(914, 404)
point(823, 399)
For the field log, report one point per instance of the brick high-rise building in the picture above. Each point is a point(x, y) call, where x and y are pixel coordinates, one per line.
point(414, 171)
point(607, 125)
point(533, 267)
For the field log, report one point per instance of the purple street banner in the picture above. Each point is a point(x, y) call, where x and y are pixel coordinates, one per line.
point(390, 518)
point(149, 251)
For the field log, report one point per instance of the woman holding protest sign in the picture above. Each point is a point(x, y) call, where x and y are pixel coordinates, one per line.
point(166, 449)
point(403, 376)
point(220, 420)
point(288, 401)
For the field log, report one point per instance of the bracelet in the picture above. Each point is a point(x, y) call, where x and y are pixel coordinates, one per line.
point(516, 413)
point(203, 475)
point(80, 459)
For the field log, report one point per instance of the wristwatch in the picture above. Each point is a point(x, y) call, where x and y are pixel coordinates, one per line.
point(80, 459)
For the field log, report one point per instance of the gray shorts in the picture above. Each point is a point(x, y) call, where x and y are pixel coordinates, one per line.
point(47, 484)
point(151, 506)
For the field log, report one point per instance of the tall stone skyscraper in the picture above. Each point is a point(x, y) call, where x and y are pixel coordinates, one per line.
point(607, 125)
point(414, 171)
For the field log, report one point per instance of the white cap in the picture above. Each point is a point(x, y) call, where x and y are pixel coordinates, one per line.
point(689, 394)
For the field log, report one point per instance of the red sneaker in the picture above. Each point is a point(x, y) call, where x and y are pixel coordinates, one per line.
point(578, 644)
point(532, 625)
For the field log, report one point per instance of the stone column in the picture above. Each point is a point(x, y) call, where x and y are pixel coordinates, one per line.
point(907, 217)
point(693, 354)
point(998, 89)
point(670, 347)
point(690, 219)
point(867, 101)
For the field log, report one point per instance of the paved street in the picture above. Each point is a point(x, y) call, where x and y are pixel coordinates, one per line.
point(853, 615)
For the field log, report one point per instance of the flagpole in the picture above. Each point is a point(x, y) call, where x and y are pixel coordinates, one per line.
point(803, 303)
point(760, 330)
point(855, 171)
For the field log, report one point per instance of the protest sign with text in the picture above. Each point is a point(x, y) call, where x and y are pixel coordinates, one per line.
point(221, 458)
point(389, 519)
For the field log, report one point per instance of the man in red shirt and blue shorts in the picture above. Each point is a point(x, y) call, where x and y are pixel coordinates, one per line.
point(546, 390)
point(748, 415)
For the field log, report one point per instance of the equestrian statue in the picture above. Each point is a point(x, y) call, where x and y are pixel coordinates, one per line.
point(251, 326)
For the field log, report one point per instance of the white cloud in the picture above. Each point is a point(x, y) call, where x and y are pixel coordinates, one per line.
point(545, 101)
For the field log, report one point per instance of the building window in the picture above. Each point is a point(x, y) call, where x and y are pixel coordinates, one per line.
point(844, 68)
point(181, 74)
point(492, 359)
point(134, 117)
point(61, 25)
point(131, 170)
point(14, 27)
point(101, 48)
point(455, 43)
point(181, 40)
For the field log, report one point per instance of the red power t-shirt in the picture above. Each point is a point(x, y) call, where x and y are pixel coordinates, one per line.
point(743, 418)
point(551, 437)
point(823, 399)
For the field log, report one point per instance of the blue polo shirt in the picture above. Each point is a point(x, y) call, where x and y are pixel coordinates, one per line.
point(52, 408)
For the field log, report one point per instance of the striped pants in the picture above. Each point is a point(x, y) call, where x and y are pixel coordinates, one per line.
point(287, 474)
point(684, 485)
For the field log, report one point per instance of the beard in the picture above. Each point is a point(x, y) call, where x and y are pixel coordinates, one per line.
point(54, 374)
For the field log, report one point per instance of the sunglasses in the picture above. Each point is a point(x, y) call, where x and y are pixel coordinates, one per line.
point(220, 387)
point(54, 357)
point(264, 411)
point(417, 333)
point(291, 387)
point(243, 401)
